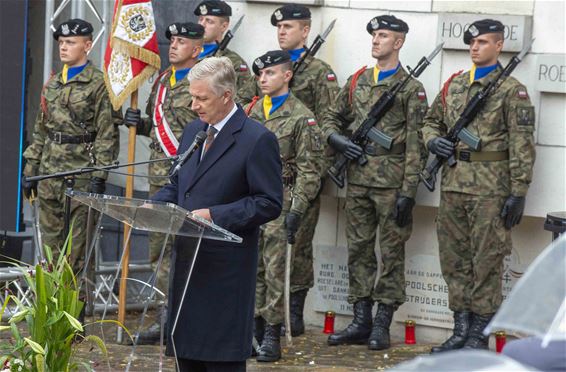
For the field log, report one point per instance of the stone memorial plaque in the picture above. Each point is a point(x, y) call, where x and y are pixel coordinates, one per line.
point(331, 279)
point(451, 27)
point(551, 73)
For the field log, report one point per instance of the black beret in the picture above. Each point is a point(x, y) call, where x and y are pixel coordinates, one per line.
point(387, 22)
point(189, 30)
point(485, 26)
point(213, 8)
point(290, 11)
point(73, 27)
point(271, 58)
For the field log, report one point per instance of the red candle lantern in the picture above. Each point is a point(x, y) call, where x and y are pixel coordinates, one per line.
point(410, 332)
point(500, 339)
point(329, 322)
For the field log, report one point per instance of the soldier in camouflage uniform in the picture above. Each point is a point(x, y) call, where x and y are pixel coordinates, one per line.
point(483, 195)
point(299, 142)
point(316, 87)
point(169, 111)
point(74, 129)
point(214, 16)
point(381, 193)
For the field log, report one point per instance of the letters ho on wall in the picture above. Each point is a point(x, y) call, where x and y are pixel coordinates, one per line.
point(451, 27)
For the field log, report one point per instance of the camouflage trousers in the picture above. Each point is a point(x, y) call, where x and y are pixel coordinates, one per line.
point(302, 276)
point(156, 241)
point(51, 195)
point(472, 245)
point(270, 283)
point(367, 209)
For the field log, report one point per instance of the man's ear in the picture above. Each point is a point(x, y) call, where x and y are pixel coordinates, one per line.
point(288, 75)
point(88, 46)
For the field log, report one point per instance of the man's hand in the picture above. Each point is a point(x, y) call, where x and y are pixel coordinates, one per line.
point(132, 117)
point(97, 185)
point(512, 211)
point(292, 222)
point(345, 146)
point(403, 210)
point(441, 146)
point(29, 187)
point(203, 213)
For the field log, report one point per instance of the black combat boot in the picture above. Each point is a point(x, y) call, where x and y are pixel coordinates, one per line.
point(259, 329)
point(270, 349)
point(357, 332)
point(296, 309)
point(379, 338)
point(152, 335)
point(459, 334)
point(476, 338)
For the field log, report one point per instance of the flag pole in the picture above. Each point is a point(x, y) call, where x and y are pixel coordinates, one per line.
point(122, 297)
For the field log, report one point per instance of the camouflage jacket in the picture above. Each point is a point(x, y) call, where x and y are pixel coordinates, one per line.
point(299, 139)
point(315, 85)
point(177, 111)
point(245, 82)
point(79, 107)
point(506, 123)
point(402, 123)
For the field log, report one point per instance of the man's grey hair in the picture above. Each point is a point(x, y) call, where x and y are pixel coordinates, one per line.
point(218, 71)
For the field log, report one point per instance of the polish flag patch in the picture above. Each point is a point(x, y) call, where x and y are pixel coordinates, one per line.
point(330, 77)
point(243, 68)
point(311, 122)
point(522, 94)
point(421, 96)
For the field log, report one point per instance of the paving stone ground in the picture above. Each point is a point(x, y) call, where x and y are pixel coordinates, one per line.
point(309, 352)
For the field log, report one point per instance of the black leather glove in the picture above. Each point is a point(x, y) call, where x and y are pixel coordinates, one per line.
point(97, 185)
point(28, 187)
point(345, 146)
point(441, 146)
point(132, 117)
point(403, 210)
point(512, 211)
point(292, 222)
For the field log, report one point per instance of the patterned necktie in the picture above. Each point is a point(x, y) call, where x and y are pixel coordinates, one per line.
point(210, 133)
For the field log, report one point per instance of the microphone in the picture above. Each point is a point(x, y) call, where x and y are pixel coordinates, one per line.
point(182, 159)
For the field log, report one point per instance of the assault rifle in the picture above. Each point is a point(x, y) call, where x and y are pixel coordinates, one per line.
point(315, 46)
point(459, 132)
point(366, 131)
point(229, 36)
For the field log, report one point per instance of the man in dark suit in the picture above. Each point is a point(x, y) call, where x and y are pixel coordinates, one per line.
point(234, 180)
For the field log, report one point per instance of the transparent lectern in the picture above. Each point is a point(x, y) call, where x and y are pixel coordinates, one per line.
point(152, 216)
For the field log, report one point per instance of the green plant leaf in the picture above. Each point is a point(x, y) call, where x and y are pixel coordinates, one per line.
point(4, 328)
point(74, 322)
point(48, 253)
point(37, 348)
point(39, 363)
point(19, 316)
point(113, 322)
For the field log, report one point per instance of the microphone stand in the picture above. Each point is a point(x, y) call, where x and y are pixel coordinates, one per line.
point(69, 177)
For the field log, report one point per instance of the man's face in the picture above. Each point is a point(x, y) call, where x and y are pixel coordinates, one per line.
point(214, 27)
point(182, 49)
point(384, 43)
point(291, 34)
point(273, 80)
point(73, 49)
point(484, 49)
point(209, 107)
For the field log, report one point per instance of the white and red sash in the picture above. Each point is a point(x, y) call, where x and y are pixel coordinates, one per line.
point(167, 140)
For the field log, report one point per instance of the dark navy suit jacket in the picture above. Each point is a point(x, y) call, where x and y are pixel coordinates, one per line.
point(239, 180)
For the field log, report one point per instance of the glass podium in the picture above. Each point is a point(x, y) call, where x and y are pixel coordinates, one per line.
point(153, 216)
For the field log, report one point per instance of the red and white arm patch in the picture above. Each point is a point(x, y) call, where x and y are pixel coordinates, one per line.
point(330, 77)
point(311, 122)
point(243, 68)
point(421, 95)
point(522, 94)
